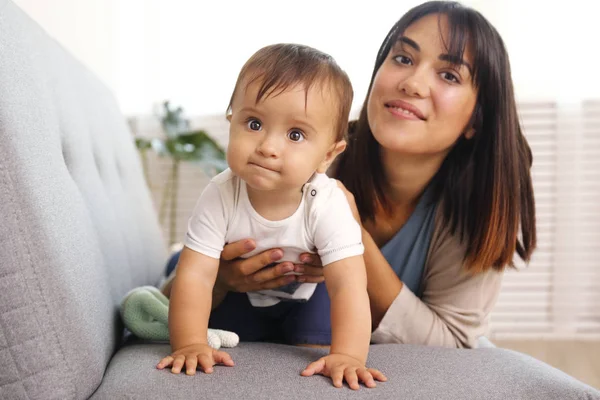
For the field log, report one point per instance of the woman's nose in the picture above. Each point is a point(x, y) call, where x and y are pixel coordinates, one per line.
point(415, 85)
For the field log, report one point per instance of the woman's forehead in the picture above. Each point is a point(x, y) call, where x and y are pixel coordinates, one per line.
point(435, 34)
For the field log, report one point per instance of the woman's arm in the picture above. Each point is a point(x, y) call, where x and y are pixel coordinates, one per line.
point(383, 285)
point(454, 307)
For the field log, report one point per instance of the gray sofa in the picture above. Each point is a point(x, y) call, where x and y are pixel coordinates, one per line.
point(78, 230)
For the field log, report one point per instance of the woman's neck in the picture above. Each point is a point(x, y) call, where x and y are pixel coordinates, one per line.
point(407, 176)
point(274, 205)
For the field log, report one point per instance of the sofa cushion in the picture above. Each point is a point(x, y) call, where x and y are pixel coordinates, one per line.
point(78, 228)
point(271, 371)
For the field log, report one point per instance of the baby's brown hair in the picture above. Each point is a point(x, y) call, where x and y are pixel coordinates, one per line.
point(281, 66)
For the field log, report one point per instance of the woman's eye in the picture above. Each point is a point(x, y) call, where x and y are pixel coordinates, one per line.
point(296, 136)
point(403, 60)
point(254, 124)
point(449, 77)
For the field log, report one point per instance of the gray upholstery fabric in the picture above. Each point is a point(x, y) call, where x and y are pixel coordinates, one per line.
point(77, 226)
point(269, 371)
point(78, 230)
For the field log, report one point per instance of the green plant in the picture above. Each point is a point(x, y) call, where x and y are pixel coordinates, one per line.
point(180, 144)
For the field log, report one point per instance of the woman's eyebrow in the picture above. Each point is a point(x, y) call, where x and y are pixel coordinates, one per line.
point(409, 42)
point(444, 57)
point(456, 60)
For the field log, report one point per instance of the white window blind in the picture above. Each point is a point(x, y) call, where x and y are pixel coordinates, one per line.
point(557, 295)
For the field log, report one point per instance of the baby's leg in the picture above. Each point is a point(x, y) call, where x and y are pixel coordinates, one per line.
point(309, 324)
point(236, 314)
point(165, 286)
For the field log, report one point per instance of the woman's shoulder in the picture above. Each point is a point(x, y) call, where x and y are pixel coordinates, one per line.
point(463, 299)
point(447, 252)
point(445, 245)
point(441, 227)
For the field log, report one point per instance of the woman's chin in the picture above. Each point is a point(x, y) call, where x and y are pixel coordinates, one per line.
point(399, 140)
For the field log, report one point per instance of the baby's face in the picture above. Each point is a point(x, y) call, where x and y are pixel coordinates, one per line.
point(278, 143)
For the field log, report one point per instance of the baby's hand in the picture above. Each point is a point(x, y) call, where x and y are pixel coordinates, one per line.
point(339, 367)
point(193, 355)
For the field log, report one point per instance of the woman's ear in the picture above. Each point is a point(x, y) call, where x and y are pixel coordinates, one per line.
point(335, 149)
point(475, 122)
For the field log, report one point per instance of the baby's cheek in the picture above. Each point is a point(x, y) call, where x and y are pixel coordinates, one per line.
point(234, 156)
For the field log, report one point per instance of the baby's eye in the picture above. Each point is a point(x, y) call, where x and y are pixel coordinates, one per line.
point(296, 136)
point(254, 124)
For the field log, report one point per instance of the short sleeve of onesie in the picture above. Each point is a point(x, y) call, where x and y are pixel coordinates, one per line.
point(208, 224)
point(337, 235)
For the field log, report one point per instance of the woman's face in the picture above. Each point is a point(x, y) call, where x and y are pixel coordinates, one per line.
point(422, 98)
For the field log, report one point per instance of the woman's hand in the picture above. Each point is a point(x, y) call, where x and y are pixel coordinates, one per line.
point(259, 272)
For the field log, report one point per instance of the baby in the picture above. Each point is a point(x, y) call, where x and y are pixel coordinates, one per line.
point(288, 118)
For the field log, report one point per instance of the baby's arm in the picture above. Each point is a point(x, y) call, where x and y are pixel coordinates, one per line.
point(338, 240)
point(189, 310)
point(346, 282)
point(191, 297)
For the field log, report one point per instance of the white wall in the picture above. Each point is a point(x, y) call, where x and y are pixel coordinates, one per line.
point(191, 51)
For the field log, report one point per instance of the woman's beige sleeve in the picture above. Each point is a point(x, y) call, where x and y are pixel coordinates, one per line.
point(455, 306)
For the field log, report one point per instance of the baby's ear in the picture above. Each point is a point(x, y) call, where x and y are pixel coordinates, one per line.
point(336, 149)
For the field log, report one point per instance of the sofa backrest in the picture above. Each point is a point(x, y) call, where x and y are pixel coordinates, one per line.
point(77, 225)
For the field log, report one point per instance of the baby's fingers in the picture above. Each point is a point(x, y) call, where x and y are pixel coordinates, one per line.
point(165, 362)
point(222, 357)
point(314, 368)
point(178, 364)
point(206, 363)
point(377, 374)
point(190, 365)
point(337, 376)
point(351, 378)
point(365, 376)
